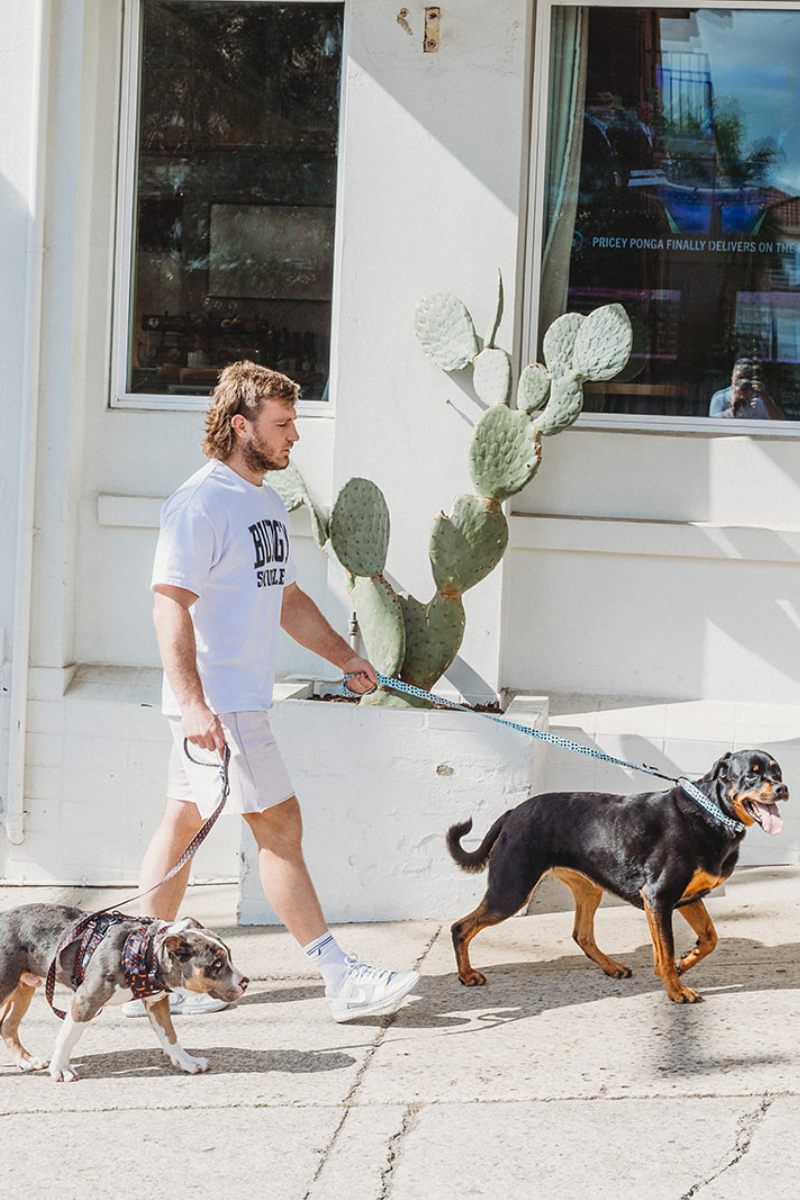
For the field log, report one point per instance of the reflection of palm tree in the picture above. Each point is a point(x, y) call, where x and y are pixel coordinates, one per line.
point(736, 165)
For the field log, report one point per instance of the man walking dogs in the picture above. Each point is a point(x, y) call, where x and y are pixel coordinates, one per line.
point(224, 582)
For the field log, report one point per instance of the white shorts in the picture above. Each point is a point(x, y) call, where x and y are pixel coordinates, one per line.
point(257, 774)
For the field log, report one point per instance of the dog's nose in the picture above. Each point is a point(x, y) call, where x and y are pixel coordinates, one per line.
point(781, 791)
point(243, 982)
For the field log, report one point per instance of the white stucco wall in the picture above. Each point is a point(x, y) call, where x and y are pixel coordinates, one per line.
point(649, 565)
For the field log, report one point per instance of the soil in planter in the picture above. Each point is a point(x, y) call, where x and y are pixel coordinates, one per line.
point(494, 707)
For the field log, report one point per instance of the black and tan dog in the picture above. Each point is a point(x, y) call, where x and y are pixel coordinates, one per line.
point(657, 850)
point(187, 957)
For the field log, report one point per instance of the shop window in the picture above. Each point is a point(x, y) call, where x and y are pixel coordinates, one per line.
point(671, 185)
point(227, 209)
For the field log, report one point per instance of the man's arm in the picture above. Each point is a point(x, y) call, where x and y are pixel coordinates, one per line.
point(176, 644)
point(303, 621)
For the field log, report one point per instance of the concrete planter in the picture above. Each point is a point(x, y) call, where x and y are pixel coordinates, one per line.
point(379, 788)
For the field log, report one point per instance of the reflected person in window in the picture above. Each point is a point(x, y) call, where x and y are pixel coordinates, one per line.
point(224, 581)
point(747, 397)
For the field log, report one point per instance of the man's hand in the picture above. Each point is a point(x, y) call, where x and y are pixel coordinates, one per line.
point(202, 727)
point(364, 676)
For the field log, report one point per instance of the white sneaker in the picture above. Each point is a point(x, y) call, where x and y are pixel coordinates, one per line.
point(368, 991)
point(180, 1004)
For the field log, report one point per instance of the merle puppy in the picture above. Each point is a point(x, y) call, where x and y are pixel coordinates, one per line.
point(657, 850)
point(183, 956)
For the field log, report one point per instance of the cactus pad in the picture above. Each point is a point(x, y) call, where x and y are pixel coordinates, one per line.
point(359, 528)
point(434, 633)
point(498, 312)
point(559, 342)
point(445, 331)
point(505, 453)
point(533, 387)
point(468, 544)
point(564, 406)
point(603, 344)
point(380, 619)
point(491, 376)
point(290, 486)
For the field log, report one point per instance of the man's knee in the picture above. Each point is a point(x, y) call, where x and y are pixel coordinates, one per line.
point(279, 829)
point(181, 819)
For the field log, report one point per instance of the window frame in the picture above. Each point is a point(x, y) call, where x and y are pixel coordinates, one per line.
point(534, 227)
point(120, 397)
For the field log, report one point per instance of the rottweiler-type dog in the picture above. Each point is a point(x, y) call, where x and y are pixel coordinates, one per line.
point(657, 850)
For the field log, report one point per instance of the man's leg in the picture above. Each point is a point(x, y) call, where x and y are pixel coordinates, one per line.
point(354, 989)
point(284, 876)
point(180, 822)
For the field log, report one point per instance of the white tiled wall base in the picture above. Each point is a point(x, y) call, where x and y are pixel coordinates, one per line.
point(379, 787)
point(95, 784)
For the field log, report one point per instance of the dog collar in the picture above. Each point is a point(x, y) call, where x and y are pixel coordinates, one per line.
point(139, 964)
point(714, 811)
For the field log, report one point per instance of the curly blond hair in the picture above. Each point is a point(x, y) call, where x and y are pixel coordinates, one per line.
point(240, 389)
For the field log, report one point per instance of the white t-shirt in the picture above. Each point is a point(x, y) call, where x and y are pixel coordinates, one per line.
point(227, 540)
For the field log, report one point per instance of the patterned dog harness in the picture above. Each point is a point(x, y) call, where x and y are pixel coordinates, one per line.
point(138, 960)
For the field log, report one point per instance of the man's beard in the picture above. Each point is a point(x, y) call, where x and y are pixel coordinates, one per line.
point(257, 457)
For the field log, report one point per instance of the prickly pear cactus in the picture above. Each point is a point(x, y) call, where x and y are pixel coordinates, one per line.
point(418, 641)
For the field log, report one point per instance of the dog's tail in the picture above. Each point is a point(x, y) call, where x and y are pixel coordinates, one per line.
point(474, 860)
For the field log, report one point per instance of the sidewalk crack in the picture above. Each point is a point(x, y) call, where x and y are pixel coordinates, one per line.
point(350, 1101)
point(745, 1132)
point(394, 1148)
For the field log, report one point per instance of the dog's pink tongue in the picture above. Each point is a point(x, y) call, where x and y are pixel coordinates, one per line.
point(770, 821)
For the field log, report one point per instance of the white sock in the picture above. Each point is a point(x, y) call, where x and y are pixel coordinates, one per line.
point(329, 959)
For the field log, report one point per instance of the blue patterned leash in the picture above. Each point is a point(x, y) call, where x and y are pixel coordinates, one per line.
point(691, 790)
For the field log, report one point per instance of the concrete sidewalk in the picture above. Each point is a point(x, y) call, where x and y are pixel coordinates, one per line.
point(551, 1081)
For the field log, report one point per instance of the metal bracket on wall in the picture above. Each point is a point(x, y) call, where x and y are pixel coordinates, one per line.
point(430, 42)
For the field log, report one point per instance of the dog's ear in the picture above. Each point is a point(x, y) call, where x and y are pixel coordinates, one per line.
point(182, 925)
point(178, 948)
point(719, 768)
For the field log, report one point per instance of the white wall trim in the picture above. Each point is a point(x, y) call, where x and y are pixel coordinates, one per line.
point(653, 538)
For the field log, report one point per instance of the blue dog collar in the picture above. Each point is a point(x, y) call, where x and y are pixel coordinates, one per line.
point(710, 807)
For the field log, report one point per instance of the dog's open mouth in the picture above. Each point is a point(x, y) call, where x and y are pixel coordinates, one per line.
point(766, 814)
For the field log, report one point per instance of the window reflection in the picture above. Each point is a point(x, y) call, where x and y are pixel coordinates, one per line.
point(673, 187)
point(235, 193)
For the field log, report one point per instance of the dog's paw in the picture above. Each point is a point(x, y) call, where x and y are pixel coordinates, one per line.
point(187, 1062)
point(194, 1066)
point(473, 979)
point(30, 1064)
point(688, 996)
point(64, 1074)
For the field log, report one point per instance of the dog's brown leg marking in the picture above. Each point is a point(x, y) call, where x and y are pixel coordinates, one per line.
point(664, 958)
point(15, 1008)
point(158, 1012)
point(463, 932)
point(587, 897)
point(697, 916)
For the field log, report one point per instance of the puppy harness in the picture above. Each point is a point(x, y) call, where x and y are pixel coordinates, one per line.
point(138, 959)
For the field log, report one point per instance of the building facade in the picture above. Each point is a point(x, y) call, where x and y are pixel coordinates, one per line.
point(185, 183)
